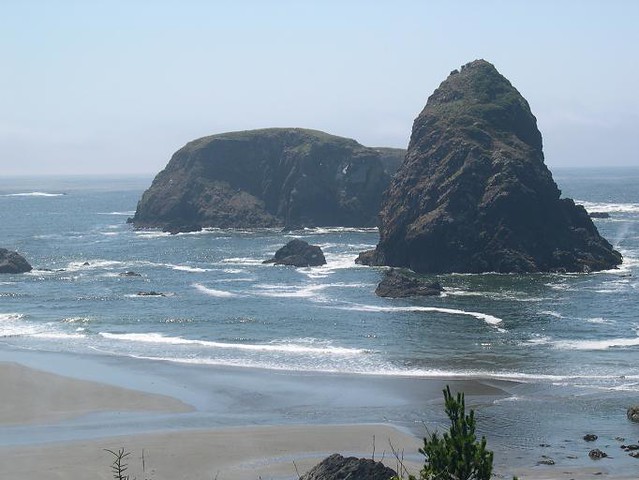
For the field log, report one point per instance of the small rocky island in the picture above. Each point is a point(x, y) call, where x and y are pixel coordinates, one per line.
point(399, 284)
point(13, 262)
point(298, 253)
point(276, 177)
point(474, 195)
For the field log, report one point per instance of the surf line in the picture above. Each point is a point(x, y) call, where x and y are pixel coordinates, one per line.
point(488, 319)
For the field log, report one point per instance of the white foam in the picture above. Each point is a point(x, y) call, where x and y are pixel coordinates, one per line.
point(127, 214)
point(11, 317)
point(551, 313)
point(585, 344)
point(151, 234)
point(598, 320)
point(609, 207)
point(58, 335)
point(33, 194)
point(187, 268)
point(213, 292)
point(488, 319)
point(76, 320)
point(288, 291)
point(92, 264)
point(301, 347)
point(596, 344)
point(242, 261)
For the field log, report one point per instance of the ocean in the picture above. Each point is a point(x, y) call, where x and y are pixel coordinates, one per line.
point(564, 346)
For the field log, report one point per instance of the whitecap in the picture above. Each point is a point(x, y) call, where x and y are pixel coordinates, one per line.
point(288, 291)
point(283, 346)
point(58, 335)
point(187, 268)
point(92, 264)
point(34, 194)
point(213, 292)
point(604, 344)
point(595, 344)
point(84, 320)
point(151, 234)
point(609, 207)
point(551, 313)
point(127, 214)
point(242, 261)
point(488, 319)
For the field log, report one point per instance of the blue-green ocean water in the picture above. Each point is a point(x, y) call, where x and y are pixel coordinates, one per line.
point(563, 336)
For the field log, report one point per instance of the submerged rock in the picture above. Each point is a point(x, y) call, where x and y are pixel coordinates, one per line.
point(298, 253)
point(633, 413)
point(599, 215)
point(129, 274)
point(590, 437)
point(13, 262)
point(397, 284)
point(597, 454)
point(474, 195)
point(337, 467)
point(276, 177)
point(152, 293)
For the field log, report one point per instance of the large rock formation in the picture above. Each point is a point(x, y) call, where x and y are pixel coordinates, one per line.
point(278, 177)
point(13, 262)
point(474, 195)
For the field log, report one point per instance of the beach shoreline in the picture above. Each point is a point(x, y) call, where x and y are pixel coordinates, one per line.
point(216, 435)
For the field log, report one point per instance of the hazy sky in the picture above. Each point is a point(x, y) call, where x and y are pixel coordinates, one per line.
point(118, 86)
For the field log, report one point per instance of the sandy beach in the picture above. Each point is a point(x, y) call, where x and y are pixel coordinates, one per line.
point(34, 397)
point(35, 402)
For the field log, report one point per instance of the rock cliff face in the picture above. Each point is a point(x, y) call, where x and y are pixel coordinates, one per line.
point(474, 195)
point(279, 177)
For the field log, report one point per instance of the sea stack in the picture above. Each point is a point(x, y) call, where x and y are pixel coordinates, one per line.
point(276, 177)
point(13, 262)
point(474, 195)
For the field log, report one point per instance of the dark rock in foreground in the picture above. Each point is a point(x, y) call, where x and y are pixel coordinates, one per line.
point(474, 195)
point(276, 177)
point(13, 262)
point(398, 284)
point(337, 467)
point(633, 413)
point(298, 253)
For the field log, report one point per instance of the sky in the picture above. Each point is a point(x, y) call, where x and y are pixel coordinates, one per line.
point(115, 87)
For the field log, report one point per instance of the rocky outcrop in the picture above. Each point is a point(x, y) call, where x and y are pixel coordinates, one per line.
point(298, 253)
point(597, 454)
point(13, 262)
point(278, 177)
point(633, 413)
point(474, 195)
point(337, 467)
point(398, 284)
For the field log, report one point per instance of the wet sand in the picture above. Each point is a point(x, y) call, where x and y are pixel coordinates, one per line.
point(56, 427)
